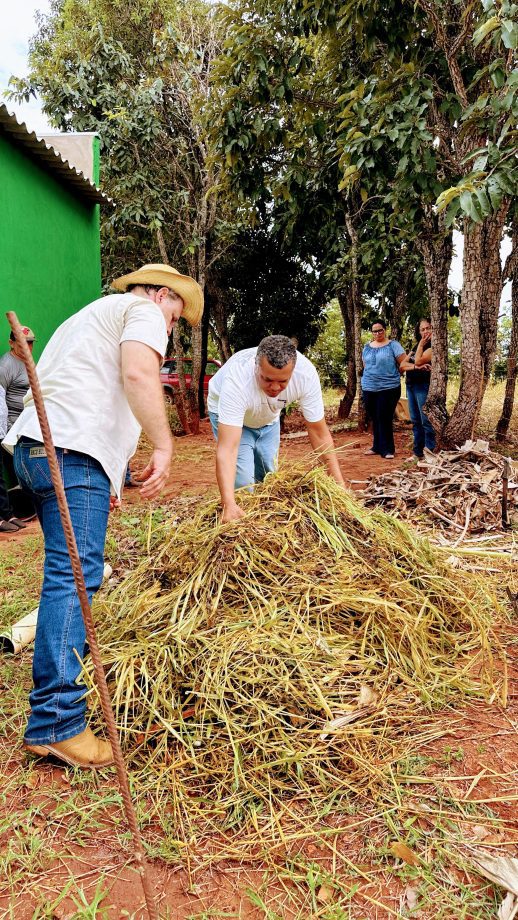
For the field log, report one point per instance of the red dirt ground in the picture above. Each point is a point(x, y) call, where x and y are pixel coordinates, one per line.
point(486, 735)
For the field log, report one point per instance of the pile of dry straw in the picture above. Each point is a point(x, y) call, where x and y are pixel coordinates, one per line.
point(291, 654)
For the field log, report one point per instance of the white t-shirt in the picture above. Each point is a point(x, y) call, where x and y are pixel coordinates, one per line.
point(236, 398)
point(81, 381)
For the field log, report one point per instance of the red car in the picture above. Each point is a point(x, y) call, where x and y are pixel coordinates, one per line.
point(169, 375)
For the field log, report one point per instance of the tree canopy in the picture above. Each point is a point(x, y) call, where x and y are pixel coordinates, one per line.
point(339, 141)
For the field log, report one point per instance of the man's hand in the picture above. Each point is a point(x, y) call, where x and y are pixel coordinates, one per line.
point(227, 447)
point(231, 512)
point(114, 502)
point(156, 473)
point(140, 375)
point(321, 441)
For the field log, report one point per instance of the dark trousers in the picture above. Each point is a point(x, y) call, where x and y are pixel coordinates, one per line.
point(6, 511)
point(381, 406)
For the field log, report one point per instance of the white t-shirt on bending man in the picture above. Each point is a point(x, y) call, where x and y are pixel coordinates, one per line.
point(236, 398)
point(81, 381)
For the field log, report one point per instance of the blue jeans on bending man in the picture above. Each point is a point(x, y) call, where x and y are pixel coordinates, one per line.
point(257, 453)
point(58, 708)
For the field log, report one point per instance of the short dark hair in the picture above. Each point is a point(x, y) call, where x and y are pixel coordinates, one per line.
point(147, 287)
point(381, 322)
point(278, 350)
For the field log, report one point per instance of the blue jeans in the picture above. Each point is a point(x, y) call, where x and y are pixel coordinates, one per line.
point(424, 435)
point(57, 709)
point(257, 452)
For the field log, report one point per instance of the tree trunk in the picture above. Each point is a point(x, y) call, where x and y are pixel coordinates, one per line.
point(196, 350)
point(357, 317)
point(512, 368)
point(218, 316)
point(347, 309)
point(436, 248)
point(162, 247)
point(197, 270)
point(204, 355)
point(180, 393)
point(492, 289)
point(481, 291)
point(399, 309)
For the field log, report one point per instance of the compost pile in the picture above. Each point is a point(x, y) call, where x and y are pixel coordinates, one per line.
point(458, 491)
point(289, 654)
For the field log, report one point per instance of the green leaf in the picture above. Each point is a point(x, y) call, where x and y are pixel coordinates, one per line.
point(484, 203)
point(451, 213)
point(509, 33)
point(504, 182)
point(446, 197)
point(498, 77)
point(480, 163)
point(485, 29)
point(495, 195)
point(467, 204)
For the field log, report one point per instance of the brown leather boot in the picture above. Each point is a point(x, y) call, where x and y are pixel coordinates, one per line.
point(83, 750)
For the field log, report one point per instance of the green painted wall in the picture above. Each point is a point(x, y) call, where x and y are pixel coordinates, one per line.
point(50, 260)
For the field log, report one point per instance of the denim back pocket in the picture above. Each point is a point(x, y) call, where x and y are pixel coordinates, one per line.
point(34, 472)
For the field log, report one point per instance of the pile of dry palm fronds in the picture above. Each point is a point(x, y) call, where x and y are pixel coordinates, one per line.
point(289, 654)
point(458, 491)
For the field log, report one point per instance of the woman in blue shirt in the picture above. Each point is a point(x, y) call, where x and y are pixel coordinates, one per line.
point(381, 387)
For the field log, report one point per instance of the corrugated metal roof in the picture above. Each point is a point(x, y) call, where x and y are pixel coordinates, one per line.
point(49, 158)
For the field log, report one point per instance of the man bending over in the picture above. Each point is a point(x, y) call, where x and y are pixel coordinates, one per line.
point(246, 397)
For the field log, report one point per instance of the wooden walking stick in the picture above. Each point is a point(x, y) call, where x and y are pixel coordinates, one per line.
point(57, 482)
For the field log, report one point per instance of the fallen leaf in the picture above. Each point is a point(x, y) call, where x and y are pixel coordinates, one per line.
point(508, 908)
point(325, 894)
point(410, 896)
point(32, 781)
point(501, 870)
point(341, 721)
point(62, 913)
point(405, 853)
point(480, 832)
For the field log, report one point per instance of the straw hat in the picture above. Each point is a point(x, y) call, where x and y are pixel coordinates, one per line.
point(166, 276)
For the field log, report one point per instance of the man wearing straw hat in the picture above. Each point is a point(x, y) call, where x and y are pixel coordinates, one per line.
point(100, 379)
point(246, 398)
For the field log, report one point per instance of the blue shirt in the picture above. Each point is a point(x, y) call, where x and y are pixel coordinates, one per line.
point(381, 370)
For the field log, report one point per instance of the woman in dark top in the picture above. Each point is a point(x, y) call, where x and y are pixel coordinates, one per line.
point(418, 367)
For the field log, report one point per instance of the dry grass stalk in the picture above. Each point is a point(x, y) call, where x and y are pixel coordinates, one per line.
point(236, 653)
